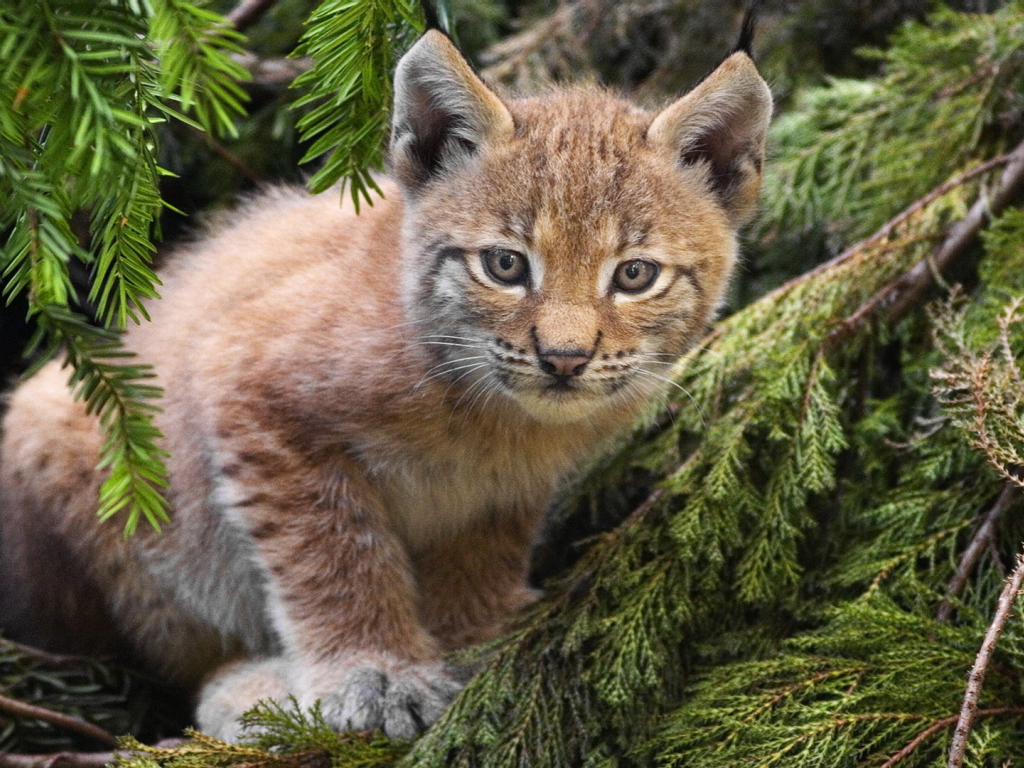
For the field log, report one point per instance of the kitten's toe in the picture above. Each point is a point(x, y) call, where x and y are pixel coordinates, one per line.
point(360, 707)
point(416, 700)
point(403, 700)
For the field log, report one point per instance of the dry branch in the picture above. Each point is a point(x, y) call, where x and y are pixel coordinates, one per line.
point(977, 676)
point(230, 157)
point(21, 709)
point(55, 659)
point(983, 537)
point(909, 289)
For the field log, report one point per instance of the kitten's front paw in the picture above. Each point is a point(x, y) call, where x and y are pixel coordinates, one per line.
point(235, 688)
point(400, 698)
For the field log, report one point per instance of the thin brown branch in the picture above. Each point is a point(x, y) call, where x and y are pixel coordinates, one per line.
point(916, 282)
point(248, 12)
point(982, 538)
point(232, 159)
point(76, 759)
point(59, 760)
point(21, 709)
point(46, 657)
point(939, 725)
point(886, 230)
point(977, 677)
point(903, 293)
point(275, 72)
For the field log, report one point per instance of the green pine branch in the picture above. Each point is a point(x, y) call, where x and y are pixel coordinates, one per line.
point(354, 45)
point(83, 87)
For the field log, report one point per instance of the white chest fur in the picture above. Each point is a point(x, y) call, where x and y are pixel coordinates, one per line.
point(428, 496)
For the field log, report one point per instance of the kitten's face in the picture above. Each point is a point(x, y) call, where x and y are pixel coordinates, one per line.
point(563, 251)
point(568, 268)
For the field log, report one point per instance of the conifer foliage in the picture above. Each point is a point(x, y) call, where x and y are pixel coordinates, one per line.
point(83, 86)
point(803, 550)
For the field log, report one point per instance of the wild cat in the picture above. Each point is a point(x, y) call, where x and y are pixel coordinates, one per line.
point(367, 415)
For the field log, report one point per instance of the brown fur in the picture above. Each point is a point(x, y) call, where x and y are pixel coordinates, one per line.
point(363, 436)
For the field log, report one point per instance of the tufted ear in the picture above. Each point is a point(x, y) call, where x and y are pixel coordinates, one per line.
point(719, 128)
point(443, 113)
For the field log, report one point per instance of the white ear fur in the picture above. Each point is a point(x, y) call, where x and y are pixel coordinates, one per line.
point(720, 128)
point(443, 112)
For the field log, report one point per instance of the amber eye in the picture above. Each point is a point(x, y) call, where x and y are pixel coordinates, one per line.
point(635, 276)
point(506, 266)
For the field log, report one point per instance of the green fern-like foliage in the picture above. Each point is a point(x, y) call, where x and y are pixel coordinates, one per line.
point(83, 87)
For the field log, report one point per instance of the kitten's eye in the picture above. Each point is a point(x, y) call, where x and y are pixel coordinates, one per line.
point(635, 276)
point(506, 266)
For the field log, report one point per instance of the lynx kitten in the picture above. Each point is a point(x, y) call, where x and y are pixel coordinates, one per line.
point(367, 415)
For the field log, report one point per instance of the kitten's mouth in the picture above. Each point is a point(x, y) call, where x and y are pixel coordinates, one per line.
point(560, 386)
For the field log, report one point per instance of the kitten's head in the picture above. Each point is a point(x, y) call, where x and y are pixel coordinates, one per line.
point(564, 250)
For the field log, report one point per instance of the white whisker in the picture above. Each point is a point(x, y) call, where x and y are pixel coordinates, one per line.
point(451, 366)
point(684, 390)
point(451, 344)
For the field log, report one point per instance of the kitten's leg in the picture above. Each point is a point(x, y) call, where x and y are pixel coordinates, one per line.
point(341, 596)
point(472, 582)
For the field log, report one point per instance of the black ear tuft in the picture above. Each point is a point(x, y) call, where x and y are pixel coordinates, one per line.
point(746, 40)
point(430, 16)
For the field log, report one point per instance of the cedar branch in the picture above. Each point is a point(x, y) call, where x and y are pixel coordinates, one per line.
point(903, 293)
point(916, 282)
point(884, 232)
point(21, 709)
point(945, 722)
point(977, 677)
point(982, 538)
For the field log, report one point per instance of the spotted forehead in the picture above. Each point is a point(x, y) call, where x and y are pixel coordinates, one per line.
point(579, 159)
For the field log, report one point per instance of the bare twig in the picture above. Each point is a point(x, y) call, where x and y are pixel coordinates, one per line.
point(945, 722)
point(76, 759)
point(248, 12)
point(981, 540)
point(230, 157)
point(970, 706)
point(899, 296)
point(21, 709)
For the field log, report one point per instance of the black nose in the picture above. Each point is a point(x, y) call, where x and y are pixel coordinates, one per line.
point(563, 363)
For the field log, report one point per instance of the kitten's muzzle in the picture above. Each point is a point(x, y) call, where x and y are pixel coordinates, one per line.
point(564, 363)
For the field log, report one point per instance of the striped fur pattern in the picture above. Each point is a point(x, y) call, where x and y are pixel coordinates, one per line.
point(367, 416)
